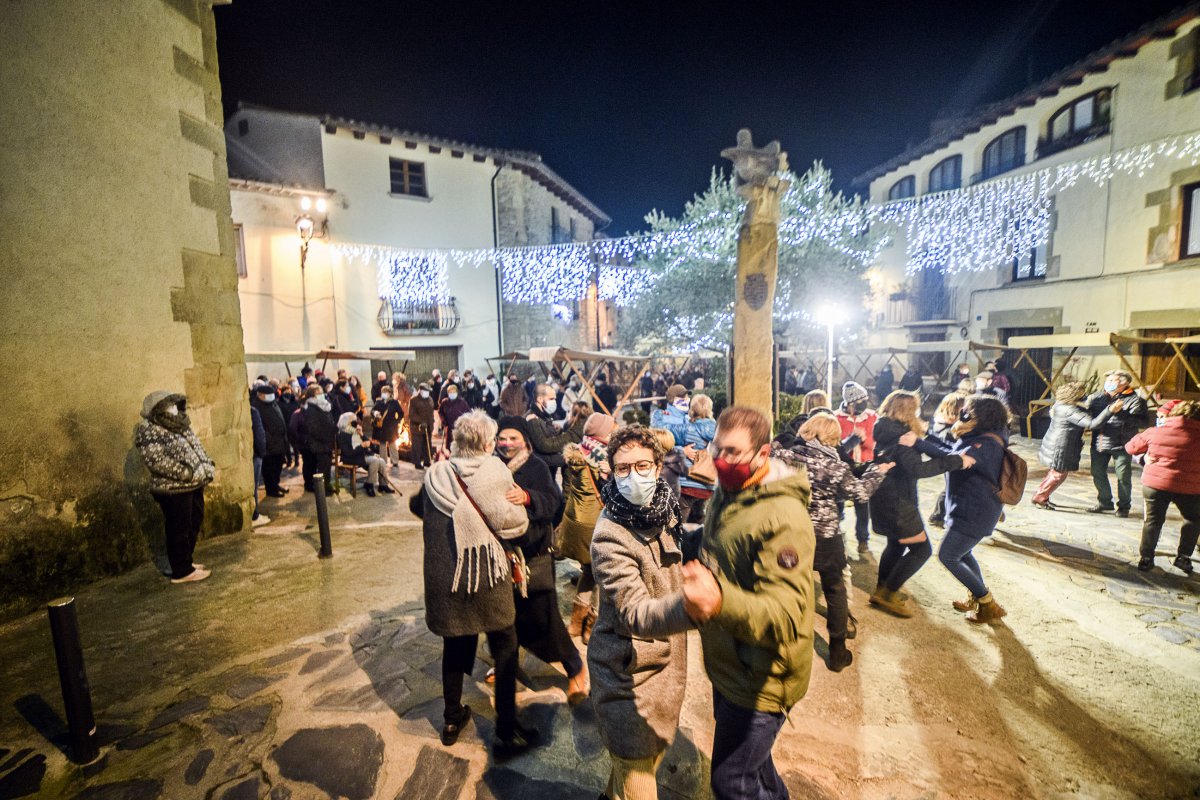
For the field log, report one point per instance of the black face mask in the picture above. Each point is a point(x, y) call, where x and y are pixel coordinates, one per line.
point(964, 415)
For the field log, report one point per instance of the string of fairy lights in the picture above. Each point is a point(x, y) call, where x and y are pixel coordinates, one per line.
point(968, 229)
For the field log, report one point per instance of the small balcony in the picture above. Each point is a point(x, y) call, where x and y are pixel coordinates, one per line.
point(418, 319)
point(1048, 147)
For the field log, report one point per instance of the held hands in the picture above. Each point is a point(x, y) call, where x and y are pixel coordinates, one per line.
point(516, 495)
point(885, 467)
point(1117, 406)
point(701, 593)
point(908, 439)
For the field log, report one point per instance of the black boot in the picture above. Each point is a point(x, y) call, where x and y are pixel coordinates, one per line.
point(839, 656)
point(453, 727)
point(386, 489)
point(369, 488)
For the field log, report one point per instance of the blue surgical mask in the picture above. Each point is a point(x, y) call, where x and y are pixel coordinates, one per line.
point(1160, 421)
point(551, 406)
point(1110, 386)
point(637, 489)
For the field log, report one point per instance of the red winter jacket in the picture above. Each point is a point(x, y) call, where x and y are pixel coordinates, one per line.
point(864, 426)
point(1173, 464)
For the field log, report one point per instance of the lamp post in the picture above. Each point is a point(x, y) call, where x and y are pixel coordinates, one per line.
point(306, 226)
point(828, 316)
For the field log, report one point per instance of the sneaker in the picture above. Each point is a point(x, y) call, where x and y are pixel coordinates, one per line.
point(1100, 509)
point(197, 574)
point(1045, 506)
point(1185, 564)
point(1145, 564)
point(259, 521)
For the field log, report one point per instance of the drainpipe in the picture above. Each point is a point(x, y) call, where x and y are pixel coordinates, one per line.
point(496, 245)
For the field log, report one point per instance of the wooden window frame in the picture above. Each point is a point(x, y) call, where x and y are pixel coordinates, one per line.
point(1069, 108)
point(939, 168)
point(407, 175)
point(997, 145)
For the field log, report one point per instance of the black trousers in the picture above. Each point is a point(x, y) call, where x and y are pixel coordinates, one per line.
point(458, 660)
point(899, 562)
point(541, 631)
point(421, 451)
point(323, 465)
point(829, 560)
point(1157, 503)
point(184, 514)
point(308, 466)
point(272, 468)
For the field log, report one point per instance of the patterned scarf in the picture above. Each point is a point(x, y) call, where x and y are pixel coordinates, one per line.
point(663, 510)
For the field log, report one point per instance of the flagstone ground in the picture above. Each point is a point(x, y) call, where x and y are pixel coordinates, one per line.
point(285, 676)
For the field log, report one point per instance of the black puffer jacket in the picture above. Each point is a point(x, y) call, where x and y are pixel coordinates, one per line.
point(319, 428)
point(1063, 443)
point(894, 509)
point(274, 424)
point(832, 482)
point(1120, 427)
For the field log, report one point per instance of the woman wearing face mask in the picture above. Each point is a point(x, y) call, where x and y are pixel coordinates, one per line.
point(490, 397)
point(513, 400)
point(320, 430)
point(452, 407)
point(387, 415)
point(540, 628)
point(638, 649)
point(420, 426)
point(343, 399)
point(352, 450)
point(179, 471)
point(894, 506)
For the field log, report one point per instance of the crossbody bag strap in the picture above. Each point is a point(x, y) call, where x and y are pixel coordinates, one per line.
point(463, 485)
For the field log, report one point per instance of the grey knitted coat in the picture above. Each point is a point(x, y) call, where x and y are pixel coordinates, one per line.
point(638, 651)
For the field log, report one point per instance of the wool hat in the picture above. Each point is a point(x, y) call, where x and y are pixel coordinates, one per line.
point(675, 392)
point(1166, 408)
point(599, 426)
point(854, 393)
point(424, 387)
point(264, 388)
point(517, 424)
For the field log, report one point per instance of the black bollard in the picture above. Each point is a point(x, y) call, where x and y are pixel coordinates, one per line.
point(322, 516)
point(77, 695)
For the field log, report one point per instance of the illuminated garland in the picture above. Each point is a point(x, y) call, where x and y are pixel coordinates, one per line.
point(969, 229)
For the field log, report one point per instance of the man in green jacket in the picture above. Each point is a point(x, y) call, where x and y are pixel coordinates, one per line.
point(758, 542)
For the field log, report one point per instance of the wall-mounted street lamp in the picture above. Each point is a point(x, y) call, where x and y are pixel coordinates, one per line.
point(307, 227)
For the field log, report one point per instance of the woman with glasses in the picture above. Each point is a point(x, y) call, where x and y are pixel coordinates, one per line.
point(638, 649)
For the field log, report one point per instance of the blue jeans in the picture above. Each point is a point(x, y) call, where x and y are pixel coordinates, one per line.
point(742, 768)
point(1122, 465)
point(955, 555)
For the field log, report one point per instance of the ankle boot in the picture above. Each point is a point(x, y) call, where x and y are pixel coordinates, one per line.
point(989, 611)
point(839, 656)
point(588, 622)
point(970, 604)
point(369, 488)
point(579, 613)
point(891, 602)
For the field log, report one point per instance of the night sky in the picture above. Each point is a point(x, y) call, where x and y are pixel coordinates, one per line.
point(632, 103)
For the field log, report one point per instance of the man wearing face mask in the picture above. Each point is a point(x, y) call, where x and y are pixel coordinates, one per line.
point(606, 396)
point(320, 431)
point(513, 402)
point(179, 471)
point(344, 400)
point(490, 398)
point(758, 541)
point(277, 430)
point(1108, 443)
point(420, 426)
point(387, 415)
point(547, 440)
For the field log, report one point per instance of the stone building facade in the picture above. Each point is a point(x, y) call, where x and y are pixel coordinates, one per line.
point(119, 274)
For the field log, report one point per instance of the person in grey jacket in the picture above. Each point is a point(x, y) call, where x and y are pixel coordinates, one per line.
point(179, 471)
point(1109, 440)
point(638, 651)
point(1062, 445)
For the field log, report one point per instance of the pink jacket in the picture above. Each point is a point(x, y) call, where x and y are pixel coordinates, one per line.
point(1173, 461)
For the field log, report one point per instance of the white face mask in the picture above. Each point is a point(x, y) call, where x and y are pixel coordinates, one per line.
point(551, 406)
point(321, 402)
point(268, 398)
point(452, 396)
point(386, 396)
point(637, 489)
point(682, 404)
point(171, 411)
point(424, 394)
point(491, 381)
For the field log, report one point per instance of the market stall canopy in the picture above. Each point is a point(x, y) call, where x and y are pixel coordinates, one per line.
point(563, 354)
point(279, 356)
point(515, 355)
point(1065, 341)
point(368, 355)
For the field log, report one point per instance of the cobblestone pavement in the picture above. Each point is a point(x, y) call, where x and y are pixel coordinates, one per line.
point(288, 677)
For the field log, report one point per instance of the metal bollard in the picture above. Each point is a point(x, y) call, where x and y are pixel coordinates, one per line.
point(77, 695)
point(322, 516)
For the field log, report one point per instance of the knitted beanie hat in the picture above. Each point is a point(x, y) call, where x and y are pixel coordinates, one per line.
point(854, 393)
point(599, 426)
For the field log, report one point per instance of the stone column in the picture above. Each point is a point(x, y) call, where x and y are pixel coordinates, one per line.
point(757, 269)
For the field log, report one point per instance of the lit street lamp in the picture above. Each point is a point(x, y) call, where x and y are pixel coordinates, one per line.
point(829, 315)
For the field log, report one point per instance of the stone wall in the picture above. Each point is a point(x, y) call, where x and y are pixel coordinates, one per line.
point(120, 279)
point(524, 217)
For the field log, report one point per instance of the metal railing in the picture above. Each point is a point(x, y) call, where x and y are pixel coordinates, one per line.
point(431, 319)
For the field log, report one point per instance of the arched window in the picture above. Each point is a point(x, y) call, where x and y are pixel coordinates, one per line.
point(946, 175)
point(1077, 122)
point(905, 187)
point(1005, 152)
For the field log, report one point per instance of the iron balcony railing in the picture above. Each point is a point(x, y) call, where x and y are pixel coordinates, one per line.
point(418, 319)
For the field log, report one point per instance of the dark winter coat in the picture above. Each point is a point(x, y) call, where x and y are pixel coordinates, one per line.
point(513, 400)
point(912, 381)
point(607, 395)
point(894, 508)
point(883, 383)
point(260, 435)
point(319, 429)
point(297, 430)
point(1062, 445)
point(348, 453)
point(833, 483)
point(1174, 462)
point(1121, 427)
point(387, 427)
point(972, 506)
point(450, 410)
point(420, 412)
point(377, 388)
point(545, 506)
point(547, 440)
point(288, 405)
point(275, 425)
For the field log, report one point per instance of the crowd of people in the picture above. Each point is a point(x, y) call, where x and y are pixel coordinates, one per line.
point(694, 521)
